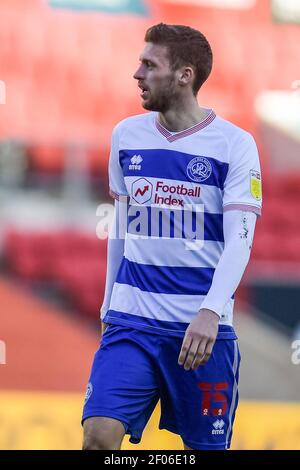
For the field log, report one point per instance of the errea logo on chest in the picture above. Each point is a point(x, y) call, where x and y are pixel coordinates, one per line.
point(136, 161)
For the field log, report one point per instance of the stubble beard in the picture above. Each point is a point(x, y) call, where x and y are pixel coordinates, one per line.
point(163, 100)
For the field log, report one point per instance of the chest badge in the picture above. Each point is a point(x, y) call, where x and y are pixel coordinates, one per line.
point(199, 169)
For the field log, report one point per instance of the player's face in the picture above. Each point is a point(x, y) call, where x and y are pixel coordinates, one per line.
point(156, 79)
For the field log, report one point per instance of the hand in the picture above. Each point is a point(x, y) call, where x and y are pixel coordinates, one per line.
point(199, 339)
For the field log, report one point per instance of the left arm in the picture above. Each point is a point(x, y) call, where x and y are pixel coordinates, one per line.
point(200, 336)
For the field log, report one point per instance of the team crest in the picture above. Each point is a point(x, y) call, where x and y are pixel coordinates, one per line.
point(89, 391)
point(199, 169)
point(255, 184)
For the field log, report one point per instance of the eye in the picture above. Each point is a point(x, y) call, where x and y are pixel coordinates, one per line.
point(149, 64)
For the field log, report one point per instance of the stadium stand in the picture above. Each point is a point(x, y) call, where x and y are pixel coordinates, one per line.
point(74, 261)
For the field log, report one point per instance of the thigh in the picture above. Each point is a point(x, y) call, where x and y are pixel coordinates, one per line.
point(200, 405)
point(101, 433)
point(123, 383)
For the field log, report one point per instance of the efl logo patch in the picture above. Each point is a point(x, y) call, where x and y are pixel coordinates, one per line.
point(255, 184)
point(199, 169)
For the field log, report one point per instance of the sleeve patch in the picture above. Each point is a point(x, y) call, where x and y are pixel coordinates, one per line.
point(255, 185)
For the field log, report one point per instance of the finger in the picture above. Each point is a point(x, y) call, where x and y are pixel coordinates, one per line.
point(208, 352)
point(203, 354)
point(191, 355)
point(187, 341)
point(200, 353)
point(200, 360)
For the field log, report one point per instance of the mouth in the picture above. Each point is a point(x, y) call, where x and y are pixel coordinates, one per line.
point(144, 92)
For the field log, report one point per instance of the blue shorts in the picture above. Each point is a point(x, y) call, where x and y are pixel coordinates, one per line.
point(132, 370)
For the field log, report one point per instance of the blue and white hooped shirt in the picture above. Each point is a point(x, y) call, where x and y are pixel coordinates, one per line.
point(175, 187)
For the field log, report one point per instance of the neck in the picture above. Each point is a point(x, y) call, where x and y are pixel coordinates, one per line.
point(182, 115)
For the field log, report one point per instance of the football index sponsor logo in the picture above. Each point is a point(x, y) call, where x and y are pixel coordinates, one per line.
point(164, 194)
point(199, 169)
point(142, 190)
point(187, 222)
point(136, 161)
point(218, 427)
point(180, 189)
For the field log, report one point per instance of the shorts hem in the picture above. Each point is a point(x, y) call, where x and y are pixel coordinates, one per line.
point(106, 414)
point(134, 438)
point(197, 445)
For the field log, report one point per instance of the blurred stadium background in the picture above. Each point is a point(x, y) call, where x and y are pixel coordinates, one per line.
point(65, 80)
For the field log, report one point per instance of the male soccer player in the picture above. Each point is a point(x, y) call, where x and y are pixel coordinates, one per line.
point(191, 187)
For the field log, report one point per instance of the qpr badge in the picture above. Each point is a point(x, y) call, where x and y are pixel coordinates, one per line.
point(89, 391)
point(199, 169)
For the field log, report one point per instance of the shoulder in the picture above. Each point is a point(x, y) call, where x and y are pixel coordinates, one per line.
point(235, 135)
point(133, 122)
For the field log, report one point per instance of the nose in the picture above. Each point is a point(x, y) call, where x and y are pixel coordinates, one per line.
point(139, 74)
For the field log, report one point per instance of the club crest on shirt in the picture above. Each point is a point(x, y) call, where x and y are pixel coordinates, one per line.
point(89, 391)
point(199, 169)
point(255, 184)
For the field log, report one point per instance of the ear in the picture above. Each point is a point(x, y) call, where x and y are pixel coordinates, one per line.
point(186, 75)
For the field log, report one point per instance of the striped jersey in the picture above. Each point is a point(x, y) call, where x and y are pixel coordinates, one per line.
point(174, 188)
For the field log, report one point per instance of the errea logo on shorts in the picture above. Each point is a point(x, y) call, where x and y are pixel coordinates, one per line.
point(218, 427)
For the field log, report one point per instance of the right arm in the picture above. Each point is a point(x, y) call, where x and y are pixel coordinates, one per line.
point(115, 253)
point(116, 239)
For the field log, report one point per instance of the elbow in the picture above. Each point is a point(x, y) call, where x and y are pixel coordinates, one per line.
point(239, 251)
